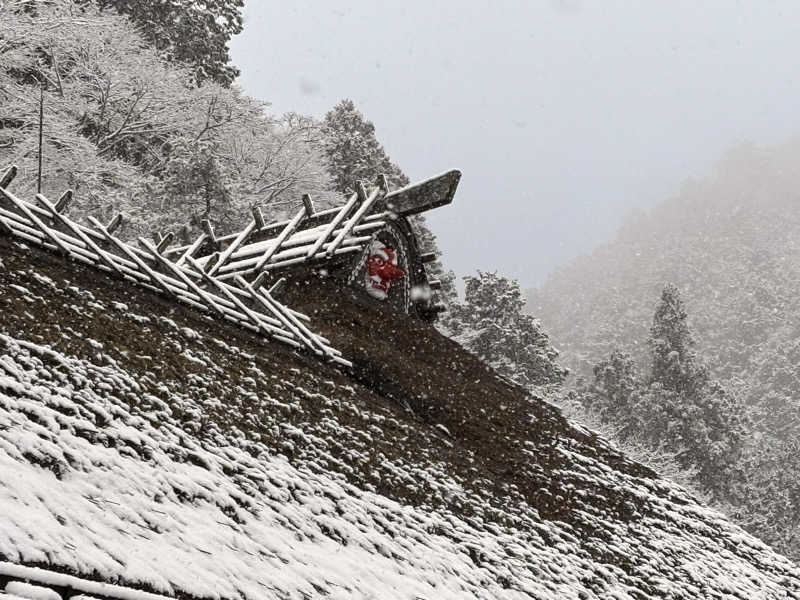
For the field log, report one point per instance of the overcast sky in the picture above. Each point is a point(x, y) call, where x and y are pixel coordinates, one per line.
point(561, 114)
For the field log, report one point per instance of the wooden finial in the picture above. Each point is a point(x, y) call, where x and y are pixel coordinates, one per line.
point(307, 202)
point(114, 224)
point(258, 217)
point(383, 183)
point(260, 280)
point(361, 191)
point(209, 229)
point(211, 262)
point(8, 176)
point(63, 202)
point(277, 286)
point(166, 240)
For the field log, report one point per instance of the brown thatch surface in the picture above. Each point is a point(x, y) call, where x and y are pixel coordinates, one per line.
point(520, 502)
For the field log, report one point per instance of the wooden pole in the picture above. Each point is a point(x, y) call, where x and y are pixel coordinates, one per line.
point(284, 235)
point(356, 218)
point(58, 217)
point(345, 210)
point(41, 129)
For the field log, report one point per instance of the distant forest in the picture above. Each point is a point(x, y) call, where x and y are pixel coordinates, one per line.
point(730, 246)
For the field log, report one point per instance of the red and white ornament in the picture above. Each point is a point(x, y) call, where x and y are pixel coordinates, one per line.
point(382, 270)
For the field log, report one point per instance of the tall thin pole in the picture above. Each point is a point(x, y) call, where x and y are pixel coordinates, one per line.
point(41, 125)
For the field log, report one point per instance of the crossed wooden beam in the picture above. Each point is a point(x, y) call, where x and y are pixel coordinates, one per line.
point(199, 284)
point(309, 236)
point(226, 275)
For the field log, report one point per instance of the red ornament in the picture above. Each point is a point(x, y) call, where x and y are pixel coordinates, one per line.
point(382, 270)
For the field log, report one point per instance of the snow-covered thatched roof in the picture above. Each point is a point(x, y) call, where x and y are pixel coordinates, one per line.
point(146, 446)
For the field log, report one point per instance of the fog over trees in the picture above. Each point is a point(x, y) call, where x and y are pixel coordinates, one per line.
point(675, 408)
point(729, 243)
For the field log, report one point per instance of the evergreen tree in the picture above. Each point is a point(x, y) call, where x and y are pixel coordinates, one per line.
point(194, 33)
point(615, 393)
point(731, 238)
point(674, 364)
point(354, 153)
point(692, 415)
point(677, 410)
point(492, 325)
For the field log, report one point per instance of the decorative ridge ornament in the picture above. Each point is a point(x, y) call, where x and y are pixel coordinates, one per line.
point(338, 240)
point(382, 270)
point(367, 242)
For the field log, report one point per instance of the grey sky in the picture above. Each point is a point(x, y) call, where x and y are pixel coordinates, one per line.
point(562, 114)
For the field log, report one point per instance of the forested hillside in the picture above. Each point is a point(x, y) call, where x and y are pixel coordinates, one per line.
point(129, 128)
point(729, 243)
point(140, 117)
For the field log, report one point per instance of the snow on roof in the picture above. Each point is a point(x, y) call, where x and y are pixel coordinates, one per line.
point(20, 589)
point(50, 585)
point(97, 485)
point(220, 471)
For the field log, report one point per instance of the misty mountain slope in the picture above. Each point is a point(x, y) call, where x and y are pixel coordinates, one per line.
point(730, 244)
point(147, 445)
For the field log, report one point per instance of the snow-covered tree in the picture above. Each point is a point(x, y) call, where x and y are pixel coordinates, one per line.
point(354, 153)
point(131, 132)
point(615, 393)
point(674, 363)
point(692, 414)
point(677, 409)
point(186, 31)
point(730, 242)
point(491, 324)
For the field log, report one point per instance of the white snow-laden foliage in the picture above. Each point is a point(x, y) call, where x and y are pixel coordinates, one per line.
point(187, 31)
point(676, 408)
point(134, 469)
point(130, 131)
point(491, 324)
point(730, 242)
